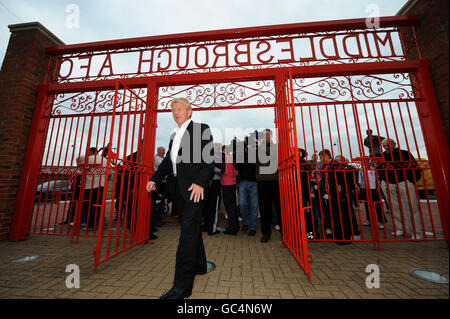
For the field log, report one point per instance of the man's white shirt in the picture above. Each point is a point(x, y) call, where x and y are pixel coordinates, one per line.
point(372, 179)
point(94, 176)
point(179, 131)
point(158, 161)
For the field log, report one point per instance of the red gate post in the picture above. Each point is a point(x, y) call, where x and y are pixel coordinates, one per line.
point(32, 160)
point(148, 155)
point(437, 149)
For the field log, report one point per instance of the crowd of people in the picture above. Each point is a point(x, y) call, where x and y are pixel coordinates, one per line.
point(88, 198)
point(331, 188)
point(246, 191)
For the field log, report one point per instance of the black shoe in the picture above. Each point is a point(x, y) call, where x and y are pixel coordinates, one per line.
point(252, 232)
point(244, 227)
point(213, 233)
point(153, 236)
point(265, 239)
point(229, 232)
point(176, 293)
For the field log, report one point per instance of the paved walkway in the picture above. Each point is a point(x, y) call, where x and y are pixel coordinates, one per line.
point(246, 268)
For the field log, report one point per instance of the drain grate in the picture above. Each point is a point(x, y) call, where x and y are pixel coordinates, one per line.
point(22, 259)
point(428, 275)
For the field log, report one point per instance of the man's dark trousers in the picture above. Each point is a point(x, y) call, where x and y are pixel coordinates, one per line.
point(93, 214)
point(190, 258)
point(269, 191)
point(229, 199)
point(211, 205)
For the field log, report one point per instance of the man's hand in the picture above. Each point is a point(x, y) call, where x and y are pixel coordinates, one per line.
point(197, 193)
point(151, 186)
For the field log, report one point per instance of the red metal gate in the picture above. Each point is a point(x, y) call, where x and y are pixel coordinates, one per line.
point(91, 168)
point(344, 121)
point(129, 167)
point(292, 209)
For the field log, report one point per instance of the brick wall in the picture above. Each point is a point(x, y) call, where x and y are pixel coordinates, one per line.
point(23, 69)
point(432, 34)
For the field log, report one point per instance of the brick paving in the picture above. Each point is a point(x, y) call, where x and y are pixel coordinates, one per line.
point(245, 268)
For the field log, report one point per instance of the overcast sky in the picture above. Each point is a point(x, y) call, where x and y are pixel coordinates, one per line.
point(114, 19)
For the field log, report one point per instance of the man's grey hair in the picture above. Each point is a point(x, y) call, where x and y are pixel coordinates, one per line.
point(181, 100)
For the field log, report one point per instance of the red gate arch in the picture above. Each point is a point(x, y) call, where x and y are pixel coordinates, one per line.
point(343, 81)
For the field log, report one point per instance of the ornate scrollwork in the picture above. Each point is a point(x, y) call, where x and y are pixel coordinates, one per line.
point(221, 94)
point(353, 88)
point(395, 86)
point(97, 102)
point(60, 170)
point(323, 89)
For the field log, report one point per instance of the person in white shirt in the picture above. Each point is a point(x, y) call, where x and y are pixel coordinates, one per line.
point(93, 187)
point(160, 152)
point(374, 194)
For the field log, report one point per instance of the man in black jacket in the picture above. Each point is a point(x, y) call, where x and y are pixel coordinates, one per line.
point(312, 225)
point(333, 182)
point(399, 174)
point(268, 188)
point(189, 158)
point(372, 142)
point(350, 199)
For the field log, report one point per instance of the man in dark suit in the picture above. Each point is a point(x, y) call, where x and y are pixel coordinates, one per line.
point(190, 159)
